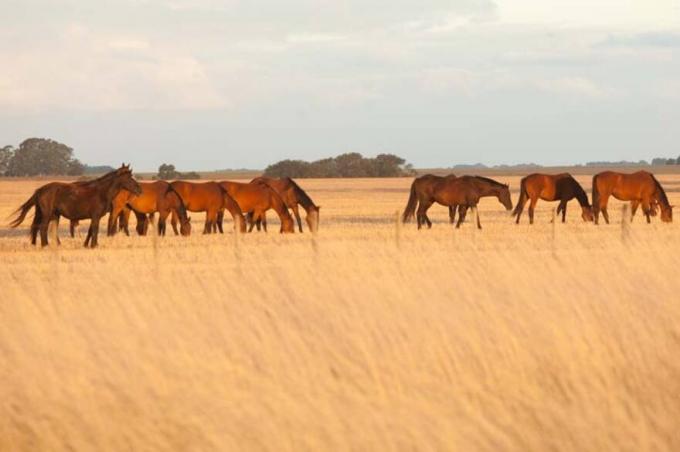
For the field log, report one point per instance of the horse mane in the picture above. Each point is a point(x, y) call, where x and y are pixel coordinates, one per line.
point(580, 193)
point(103, 178)
point(661, 191)
point(182, 208)
point(490, 181)
point(303, 197)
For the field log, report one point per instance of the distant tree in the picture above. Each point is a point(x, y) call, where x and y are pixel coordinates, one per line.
point(167, 171)
point(351, 164)
point(100, 169)
point(287, 168)
point(388, 165)
point(42, 156)
point(6, 154)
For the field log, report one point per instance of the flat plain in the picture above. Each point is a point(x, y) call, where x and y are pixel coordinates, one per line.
point(369, 335)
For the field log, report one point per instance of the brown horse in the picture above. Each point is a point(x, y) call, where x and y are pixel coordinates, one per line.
point(292, 195)
point(75, 201)
point(422, 192)
point(641, 188)
point(158, 196)
point(211, 198)
point(463, 192)
point(552, 187)
point(258, 198)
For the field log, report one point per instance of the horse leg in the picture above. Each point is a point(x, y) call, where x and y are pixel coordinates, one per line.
point(605, 213)
point(173, 221)
point(452, 213)
point(633, 208)
point(520, 208)
point(532, 207)
point(263, 217)
point(35, 226)
point(462, 211)
point(162, 216)
point(479, 224)
point(72, 228)
point(646, 208)
point(124, 221)
point(422, 213)
point(562, 208)
point(89, 236)
point(296, 212)
point(220, 220)
point(56, 229)
point(95, 231)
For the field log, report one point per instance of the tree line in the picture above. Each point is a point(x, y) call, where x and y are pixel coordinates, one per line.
point(39, 157)
point(351, 164)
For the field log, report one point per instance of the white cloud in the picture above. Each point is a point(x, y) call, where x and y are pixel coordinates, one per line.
point(570, 86)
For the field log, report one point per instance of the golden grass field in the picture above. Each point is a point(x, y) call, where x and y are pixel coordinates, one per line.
point(367, 336)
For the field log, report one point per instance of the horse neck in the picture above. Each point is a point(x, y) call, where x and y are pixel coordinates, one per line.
point(181, 208)
point(660, 194)
point(110, 188)
point(581, 196)
point(486, 189)
point(303, 198)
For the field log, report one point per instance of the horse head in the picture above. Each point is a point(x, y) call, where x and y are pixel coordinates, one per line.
point(185, 226)
point(504, 197)
point(313, 218)
point(587, 213)
point(666, 213)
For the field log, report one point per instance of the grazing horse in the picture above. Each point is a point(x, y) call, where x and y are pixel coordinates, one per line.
point(258, 198)
point(552, 187)
point(211, 198)
point(463, 192)
point(641, 188)
point(422, 192)
point(75, 201)
point(292, 195)
point(158, 196)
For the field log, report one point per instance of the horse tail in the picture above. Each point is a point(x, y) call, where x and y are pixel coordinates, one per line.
point(410, 209)
point(22, 211)
point(596, 194)
point(181, 208)
point(522, 197)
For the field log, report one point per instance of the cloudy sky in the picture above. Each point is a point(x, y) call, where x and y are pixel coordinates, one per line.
point(209, 84)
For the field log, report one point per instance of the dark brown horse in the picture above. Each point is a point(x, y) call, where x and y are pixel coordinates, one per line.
point(158, 196)
point(292, 195)
point(75, 201)
point(641, 188)
point(258, 198)
point(552, 187)
point(211, 198)
point(463, 192)
point(422, 191)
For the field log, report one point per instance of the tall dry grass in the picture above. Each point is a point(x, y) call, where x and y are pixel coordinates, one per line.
point(510, 338)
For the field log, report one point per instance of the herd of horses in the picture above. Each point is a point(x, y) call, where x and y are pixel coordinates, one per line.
point(459, 194)
point(118, 194)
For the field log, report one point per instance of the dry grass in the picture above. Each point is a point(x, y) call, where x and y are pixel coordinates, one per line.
point(503, 339)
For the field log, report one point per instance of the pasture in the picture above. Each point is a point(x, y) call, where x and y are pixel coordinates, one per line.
point(366, 336)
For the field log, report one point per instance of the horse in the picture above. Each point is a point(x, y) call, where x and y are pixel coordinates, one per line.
point(422, 190)
point(158, 196)
point(211, 198)
point(552, 187)
point(75, 201)
point(462, 192)
point(258, 198)
point(292, 195)
point(641, 188)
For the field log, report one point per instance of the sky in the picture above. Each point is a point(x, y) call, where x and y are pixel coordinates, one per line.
point(208, 84)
